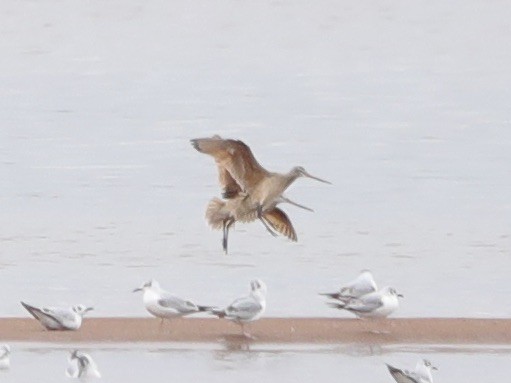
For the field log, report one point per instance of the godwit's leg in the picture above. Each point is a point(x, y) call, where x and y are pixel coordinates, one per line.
point(261, 218)
point(285, 199)
point(224, 238)
point(226, 226)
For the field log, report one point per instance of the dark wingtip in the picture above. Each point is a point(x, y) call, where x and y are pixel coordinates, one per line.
point(195, 143)
point(205, 308)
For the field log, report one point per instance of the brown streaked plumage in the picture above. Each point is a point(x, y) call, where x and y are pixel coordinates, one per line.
point(239, 170)
point(224, 214)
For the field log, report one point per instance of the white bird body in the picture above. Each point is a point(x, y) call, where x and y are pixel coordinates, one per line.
point(5, 361)
point(378, 304)
point(81, 365)
point(165, 305)
point(421, 374)
point(248, 308)
point(362, 285)
point(58, 318)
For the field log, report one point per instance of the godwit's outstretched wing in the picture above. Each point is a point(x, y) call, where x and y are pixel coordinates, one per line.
point(235, 157)
point(230, 187)
point(280, 222)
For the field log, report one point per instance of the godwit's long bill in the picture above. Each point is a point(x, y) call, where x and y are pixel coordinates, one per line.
point(240, 172)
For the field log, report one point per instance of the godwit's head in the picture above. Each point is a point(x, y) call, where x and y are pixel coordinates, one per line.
point(299, 171)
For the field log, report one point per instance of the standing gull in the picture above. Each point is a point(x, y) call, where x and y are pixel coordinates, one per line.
point(5, 352)
point(362, 285)
point(379, 304)
point(58, 318)
point(81, 365)
point(422, 373)
point(165, 305)
point(246, 309)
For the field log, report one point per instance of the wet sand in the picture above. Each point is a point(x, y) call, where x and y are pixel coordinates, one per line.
point(268, 330)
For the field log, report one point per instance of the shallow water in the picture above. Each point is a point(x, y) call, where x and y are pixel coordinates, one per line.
point(404, 107)
point(227, 363)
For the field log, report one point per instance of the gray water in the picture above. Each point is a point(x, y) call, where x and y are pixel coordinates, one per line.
point(259, 363)
point(403, 106)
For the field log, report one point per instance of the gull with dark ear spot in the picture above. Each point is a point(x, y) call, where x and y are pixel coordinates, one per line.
point(5, 353)
point(246, 309)
point(58, 318)
point(421, 374)
point(379, 304)
point(165, 305)
point(81, 365)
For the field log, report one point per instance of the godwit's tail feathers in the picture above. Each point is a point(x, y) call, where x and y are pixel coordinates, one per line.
point(214, 214)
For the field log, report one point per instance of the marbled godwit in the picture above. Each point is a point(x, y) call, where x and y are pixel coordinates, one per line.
point(223, 214)
point(239, 171)
point(246, 309)
point(58, 318)
point(422, 373)
point(379, 304)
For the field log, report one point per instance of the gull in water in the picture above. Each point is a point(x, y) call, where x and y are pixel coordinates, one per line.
point(421, 374)
point(58, 318)
point(81, 365)
point(246, 309)
point(378, 304)
point(5, 352)
point(362, 285)
point(165, 305)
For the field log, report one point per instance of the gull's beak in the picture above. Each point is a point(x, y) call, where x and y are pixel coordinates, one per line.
point(400, 295)
point(316, 178)
point(137, 289)
point(434, 368)
point(89, 309)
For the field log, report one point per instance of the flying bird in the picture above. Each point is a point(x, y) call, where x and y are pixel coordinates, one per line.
point(378, 304)
point(246, 309)
point(223, 215)
point(81, 365)
point(255, 189)
point(362, 285)
point(421, 374)
point(165, 305)
point(58, 318)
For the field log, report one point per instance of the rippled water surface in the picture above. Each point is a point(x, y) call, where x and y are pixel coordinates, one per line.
point(403, 106)
point(278, 363)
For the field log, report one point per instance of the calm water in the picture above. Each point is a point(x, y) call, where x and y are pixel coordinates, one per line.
point(404, 107)
point(220, 363)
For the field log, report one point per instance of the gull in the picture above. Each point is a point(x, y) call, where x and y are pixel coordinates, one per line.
point(58, 318)
point(378, 304)
point(81, 365)
point(422, 373)
point(246, 309)
point(362, 285)
point(165, 305)
point(5, 352)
